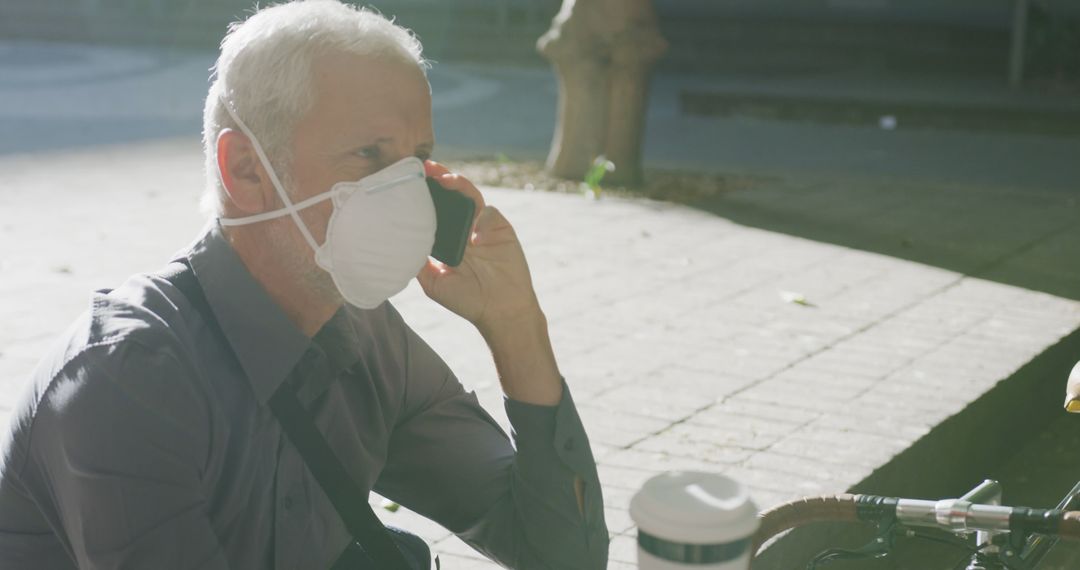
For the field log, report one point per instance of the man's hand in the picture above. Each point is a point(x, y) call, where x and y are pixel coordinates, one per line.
point(493, 290)
point(492, 283)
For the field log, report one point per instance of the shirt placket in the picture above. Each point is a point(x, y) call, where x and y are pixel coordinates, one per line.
point(290, 510)
point(295, 545)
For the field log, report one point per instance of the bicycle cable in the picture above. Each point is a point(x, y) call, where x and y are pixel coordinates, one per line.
point(883, 544)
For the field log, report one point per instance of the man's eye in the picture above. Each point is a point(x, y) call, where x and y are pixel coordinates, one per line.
point(371, 152)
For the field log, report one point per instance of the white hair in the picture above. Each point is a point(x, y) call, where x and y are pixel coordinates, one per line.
point(264, 71)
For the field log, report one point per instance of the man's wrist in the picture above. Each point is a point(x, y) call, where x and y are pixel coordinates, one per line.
point(531, 321)
point(524, 358)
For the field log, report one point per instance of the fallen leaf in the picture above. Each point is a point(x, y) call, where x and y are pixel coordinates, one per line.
point(795, 298)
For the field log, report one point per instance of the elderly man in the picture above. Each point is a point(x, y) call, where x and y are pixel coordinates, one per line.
point(150, 438)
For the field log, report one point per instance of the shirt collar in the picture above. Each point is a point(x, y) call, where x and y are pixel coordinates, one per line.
point(334, 349)
point(267, 344)
point(340, 339)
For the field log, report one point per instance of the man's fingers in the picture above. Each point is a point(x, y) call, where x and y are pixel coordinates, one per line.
point(429, 273)
point(490, 218)
point(459, 183)
point(489, 223)
point(455, 182)
point(434, 169)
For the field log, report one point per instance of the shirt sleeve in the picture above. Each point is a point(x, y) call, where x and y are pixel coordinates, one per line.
point(119, 445)
point(450, 461)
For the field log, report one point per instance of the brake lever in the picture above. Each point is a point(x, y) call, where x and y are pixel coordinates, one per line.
point(880, 547)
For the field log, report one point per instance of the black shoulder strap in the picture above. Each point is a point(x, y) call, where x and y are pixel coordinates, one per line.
point(349, 500)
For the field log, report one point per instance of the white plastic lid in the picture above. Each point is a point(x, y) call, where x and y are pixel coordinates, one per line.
point(694, 508)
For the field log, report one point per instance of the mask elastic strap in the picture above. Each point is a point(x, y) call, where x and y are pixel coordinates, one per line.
point(289, 208)
point(312, 201)
point(275, 213)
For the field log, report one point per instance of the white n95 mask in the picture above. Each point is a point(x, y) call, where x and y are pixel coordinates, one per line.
point(379, 235)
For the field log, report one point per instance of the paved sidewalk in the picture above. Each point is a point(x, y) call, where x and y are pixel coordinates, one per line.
point(675, 328)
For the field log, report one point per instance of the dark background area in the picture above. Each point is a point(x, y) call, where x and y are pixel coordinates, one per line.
point(760, 36)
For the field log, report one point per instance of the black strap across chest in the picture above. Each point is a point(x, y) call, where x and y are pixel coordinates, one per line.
point(349, 499)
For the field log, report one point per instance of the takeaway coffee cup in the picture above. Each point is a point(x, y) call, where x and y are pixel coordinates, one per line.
point(699, 521)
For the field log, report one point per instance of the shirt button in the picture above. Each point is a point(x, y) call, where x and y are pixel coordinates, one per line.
point(568, 445)
point(288, 503)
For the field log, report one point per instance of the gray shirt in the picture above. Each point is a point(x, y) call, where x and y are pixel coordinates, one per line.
point(145, 443)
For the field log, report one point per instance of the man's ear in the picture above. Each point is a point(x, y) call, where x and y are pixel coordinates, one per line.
point(242, 174)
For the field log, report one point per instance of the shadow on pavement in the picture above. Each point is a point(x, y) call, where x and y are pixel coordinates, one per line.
point(1028, 238)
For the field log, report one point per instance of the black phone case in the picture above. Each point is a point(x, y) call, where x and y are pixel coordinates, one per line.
point(454, 216)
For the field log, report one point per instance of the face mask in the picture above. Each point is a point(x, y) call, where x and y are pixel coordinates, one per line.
point(379, 235)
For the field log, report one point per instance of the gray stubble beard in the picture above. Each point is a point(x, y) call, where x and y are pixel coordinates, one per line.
point(297, 257)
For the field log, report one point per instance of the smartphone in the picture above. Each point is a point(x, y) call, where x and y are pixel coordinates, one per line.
point(454, 218)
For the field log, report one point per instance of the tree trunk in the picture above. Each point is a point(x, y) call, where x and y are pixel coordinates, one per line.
point(635, 52)
point(602, 52)
point(579, 132)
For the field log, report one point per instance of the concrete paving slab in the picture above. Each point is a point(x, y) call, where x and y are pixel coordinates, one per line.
point(702, 364)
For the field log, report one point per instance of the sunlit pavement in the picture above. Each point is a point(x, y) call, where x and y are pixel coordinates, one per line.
point(691, 340)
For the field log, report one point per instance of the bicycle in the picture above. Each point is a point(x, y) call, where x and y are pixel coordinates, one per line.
point(1005, 538)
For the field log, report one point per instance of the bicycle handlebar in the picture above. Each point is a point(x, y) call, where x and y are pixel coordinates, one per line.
point(950, 514)
point(837, 508)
